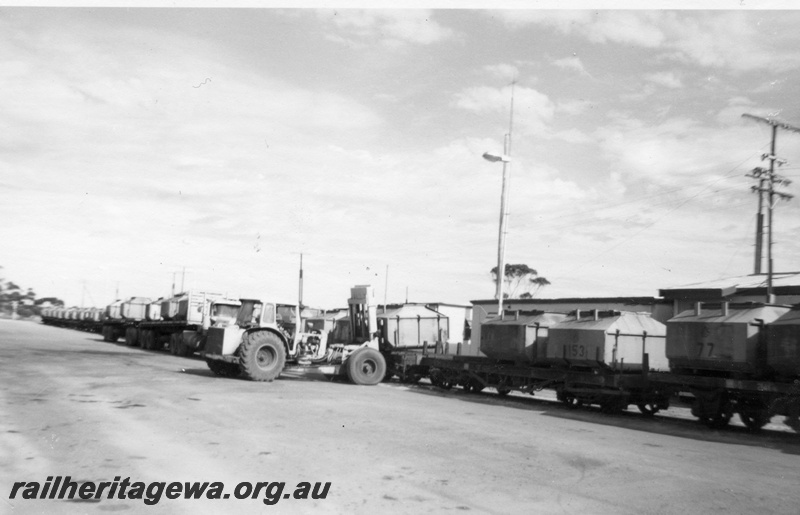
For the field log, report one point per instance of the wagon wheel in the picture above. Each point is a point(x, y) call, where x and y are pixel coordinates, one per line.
point(754, 418)
point(648, 409)
point(570, 400)
point(473, 386)
point(502, 391)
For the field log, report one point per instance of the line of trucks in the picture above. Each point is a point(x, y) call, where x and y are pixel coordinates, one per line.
point(726, 358)
point(258, 339)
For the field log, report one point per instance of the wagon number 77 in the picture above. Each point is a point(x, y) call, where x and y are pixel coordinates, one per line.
point(710, 346)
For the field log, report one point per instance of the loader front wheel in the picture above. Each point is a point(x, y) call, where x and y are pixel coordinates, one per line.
point(262, 356)
point(366, 367)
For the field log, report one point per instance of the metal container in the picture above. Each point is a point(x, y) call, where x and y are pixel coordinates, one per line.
point(521, 336)
point(153, 310)
point(114, 310)
point(169, 307)
point(615, 339)
point(134, 308)
point(723, 337)
point(193, 306)
point(783, 344)
point(413, 326)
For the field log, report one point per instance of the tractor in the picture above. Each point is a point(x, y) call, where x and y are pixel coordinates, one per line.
point(255, 345)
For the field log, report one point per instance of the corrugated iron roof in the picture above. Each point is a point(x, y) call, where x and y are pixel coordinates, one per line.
point(736, 315)
point(625, 322)
point(543, 319)
point(720, 288)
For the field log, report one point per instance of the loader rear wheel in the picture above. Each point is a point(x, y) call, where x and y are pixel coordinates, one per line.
point(366, 367)
point(223, 368)
point(262, 356)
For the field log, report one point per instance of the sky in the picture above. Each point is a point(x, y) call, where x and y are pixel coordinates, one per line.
point(210, 147)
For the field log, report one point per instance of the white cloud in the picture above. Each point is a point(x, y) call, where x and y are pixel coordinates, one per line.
point(503, 71)
point(736, 40)
point(571, 63)
point(666, 79)
point(628, 27)
point(393, 28)
point(532, 109)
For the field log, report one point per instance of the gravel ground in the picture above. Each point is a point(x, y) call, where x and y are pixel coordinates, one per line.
point(73, 405)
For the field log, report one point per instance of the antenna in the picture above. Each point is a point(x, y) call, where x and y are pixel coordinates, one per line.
point(771, 179)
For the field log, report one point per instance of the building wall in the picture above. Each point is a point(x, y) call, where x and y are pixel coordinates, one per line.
point(457, 316)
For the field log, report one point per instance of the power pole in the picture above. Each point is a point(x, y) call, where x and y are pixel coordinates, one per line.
point(771, 179)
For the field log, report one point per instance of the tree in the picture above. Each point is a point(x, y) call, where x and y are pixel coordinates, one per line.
point(521, 281)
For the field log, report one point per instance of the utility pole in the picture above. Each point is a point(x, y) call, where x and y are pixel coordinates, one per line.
point(501, 238)
point(183, 279)
point(759, 224)
point(771, 179)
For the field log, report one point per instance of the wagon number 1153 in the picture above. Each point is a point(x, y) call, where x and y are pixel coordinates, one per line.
point(577, 351)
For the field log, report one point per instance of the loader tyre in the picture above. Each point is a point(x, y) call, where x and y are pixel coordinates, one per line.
point(223, 368)
point(366, 367)
point(262, 356)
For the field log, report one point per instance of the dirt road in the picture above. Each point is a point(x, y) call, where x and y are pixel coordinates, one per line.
point(73, 405)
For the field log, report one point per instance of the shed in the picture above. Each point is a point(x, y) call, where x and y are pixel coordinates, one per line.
point(412, 325)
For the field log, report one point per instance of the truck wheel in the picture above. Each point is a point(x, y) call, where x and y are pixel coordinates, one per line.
point(262, 356)
point(146, 339)
point(223, 368)
point(131, 336)
point(366, 367)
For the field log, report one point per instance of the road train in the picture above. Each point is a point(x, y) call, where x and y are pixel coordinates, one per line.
point(727, 358)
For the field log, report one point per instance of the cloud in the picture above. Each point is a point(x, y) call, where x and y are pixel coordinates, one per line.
point(393, 28)
point(627, 27)
point(532, 109)
point(666, 79)
point(735, 40)
point(571, 63)
point(503, 71)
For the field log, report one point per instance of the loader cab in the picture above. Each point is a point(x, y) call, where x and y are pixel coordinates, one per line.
point(224, 312)
point(255, 313)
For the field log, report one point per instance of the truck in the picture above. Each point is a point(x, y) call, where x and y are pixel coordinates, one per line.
point(180, 322)
point(257, 347)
